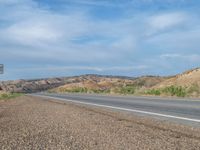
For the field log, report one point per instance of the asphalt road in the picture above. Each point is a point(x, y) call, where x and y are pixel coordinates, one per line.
point(186, 111)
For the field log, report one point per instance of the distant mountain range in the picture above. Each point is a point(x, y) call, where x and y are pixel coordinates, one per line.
point(186, 84)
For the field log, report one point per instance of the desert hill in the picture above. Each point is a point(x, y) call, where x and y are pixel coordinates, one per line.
point(184, 84)
point(29, 86)
point(185, 79)
point(107, 84)
point(91, 82)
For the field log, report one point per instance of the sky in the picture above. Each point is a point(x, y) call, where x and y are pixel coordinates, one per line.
point(53, 38)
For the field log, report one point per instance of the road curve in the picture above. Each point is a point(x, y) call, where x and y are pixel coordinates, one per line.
point(176, 110)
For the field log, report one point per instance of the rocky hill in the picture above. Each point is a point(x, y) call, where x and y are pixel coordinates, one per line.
point(185, 79)
point(108, 84)
point(29, 86)
point(90, 82)
point(184, 84)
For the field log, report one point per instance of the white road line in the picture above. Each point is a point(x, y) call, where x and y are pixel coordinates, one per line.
point(124, 109)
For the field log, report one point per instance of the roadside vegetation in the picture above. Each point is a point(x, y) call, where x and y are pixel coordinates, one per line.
point(9, 95)
point(168, 91)
point(125, 90)
point(177, 91)
point(153, 92)
point(81, 90)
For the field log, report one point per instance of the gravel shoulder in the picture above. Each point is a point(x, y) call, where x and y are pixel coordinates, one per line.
point(28, 122)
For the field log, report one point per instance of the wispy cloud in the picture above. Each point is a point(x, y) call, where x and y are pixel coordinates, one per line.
point(194, 58)
point(32, 33)
point(77, 68)
point(165, 21)
point(76, 35)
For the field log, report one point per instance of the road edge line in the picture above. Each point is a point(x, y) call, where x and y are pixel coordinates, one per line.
point(121, 108)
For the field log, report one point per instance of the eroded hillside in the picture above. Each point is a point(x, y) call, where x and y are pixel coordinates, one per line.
point(29, 86)
point(185, 84)
point(184, 79)
point(106, 84)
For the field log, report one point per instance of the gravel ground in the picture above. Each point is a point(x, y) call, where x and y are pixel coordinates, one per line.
point(37, 123)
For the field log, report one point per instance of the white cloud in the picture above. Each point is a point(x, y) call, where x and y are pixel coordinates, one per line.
point(185, 40)
point(32, 33)
point(42, 28)
point(194, 58)
point(170, 56)
point(165, 21)
point(50, 35)
point(77, 68)
point(36, 34)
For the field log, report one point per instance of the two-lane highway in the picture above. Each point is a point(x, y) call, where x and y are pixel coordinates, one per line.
point(178, 110)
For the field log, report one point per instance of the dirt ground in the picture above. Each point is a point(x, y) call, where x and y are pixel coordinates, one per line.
point(36, 123)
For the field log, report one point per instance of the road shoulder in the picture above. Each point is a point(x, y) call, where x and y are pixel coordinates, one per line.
point(30, 122)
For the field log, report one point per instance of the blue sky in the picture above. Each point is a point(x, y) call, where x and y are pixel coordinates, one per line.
point(51, 38)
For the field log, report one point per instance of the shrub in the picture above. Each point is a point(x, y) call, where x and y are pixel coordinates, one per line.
point(175, 91)
point(153, 92)
point(171, 90)
point(79, 90)
point(126, 90)
point(100, 91)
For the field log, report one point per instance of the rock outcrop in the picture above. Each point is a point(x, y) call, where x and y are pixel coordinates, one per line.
point(30, 86)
